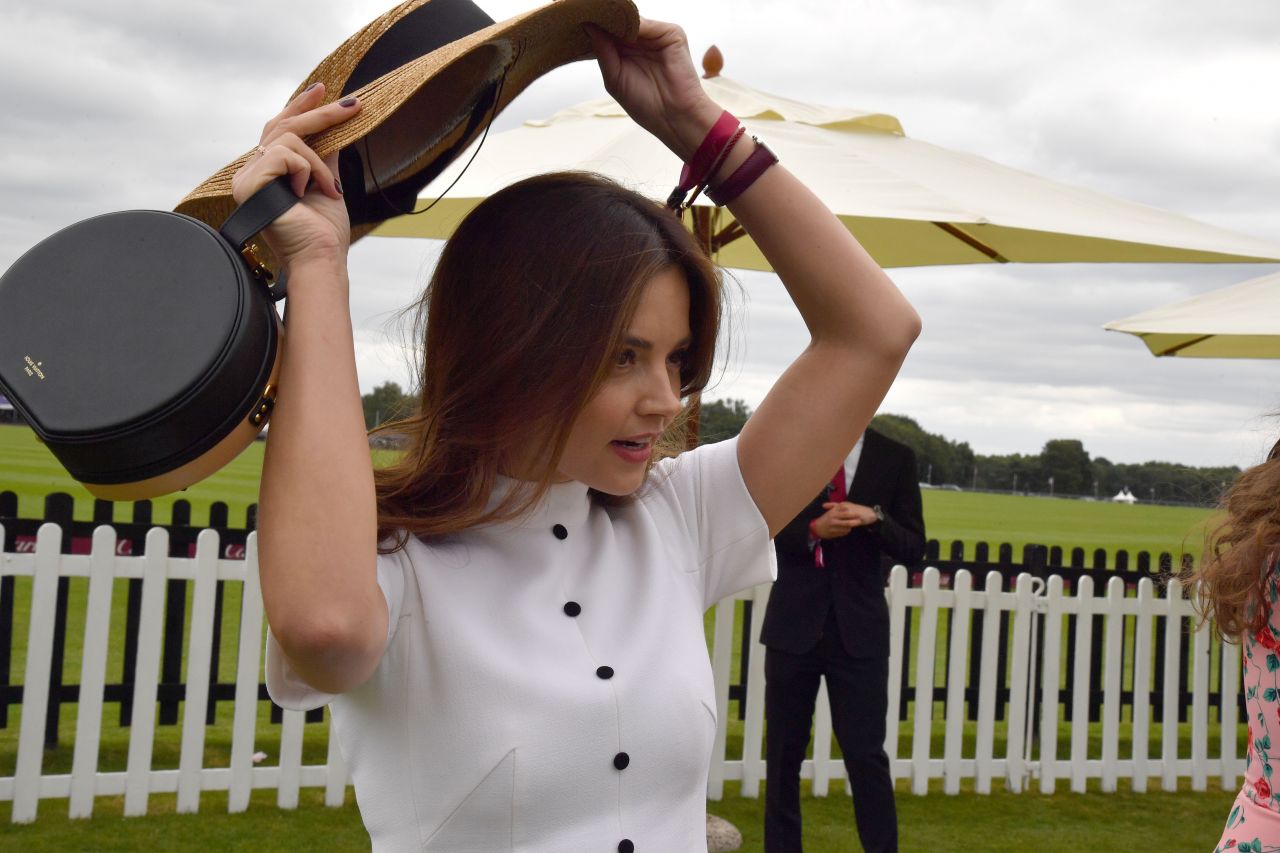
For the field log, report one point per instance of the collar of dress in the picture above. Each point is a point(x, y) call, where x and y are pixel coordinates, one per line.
point(565, 503)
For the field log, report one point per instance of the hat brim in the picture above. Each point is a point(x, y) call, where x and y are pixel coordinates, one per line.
point(419, 117)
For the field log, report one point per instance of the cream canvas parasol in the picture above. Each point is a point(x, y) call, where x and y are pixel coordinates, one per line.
point(908, 202)
point(1241, 321)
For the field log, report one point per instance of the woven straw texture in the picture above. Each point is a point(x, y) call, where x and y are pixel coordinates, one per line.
point(523, 48)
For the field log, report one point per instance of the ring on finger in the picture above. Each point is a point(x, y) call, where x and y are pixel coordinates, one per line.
point(259, 150)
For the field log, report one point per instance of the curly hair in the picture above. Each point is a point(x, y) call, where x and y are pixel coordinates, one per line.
point(1240, 553)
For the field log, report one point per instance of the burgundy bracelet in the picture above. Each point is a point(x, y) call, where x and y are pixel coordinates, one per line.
point(745, 175)
point(700, 166)
point(715, 167)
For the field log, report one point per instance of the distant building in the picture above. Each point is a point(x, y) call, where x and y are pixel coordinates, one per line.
point(1124, 497)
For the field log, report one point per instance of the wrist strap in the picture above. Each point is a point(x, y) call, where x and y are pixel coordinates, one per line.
point(715, 167)
point(258, 211)
point(745, 175)
point(701, 165)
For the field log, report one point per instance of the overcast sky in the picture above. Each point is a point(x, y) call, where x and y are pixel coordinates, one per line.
point(132, 103)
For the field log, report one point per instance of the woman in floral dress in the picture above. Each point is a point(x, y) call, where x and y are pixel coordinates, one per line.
point(1239, 589)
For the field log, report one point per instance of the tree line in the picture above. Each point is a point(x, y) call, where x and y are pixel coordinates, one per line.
point(1062, 467)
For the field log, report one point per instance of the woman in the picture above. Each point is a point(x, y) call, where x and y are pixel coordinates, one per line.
point(508, 623)
point(1238, 589)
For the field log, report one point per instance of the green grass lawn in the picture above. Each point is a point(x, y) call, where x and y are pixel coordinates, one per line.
point(1000, 822)
point(28, 468)
point(982, 517)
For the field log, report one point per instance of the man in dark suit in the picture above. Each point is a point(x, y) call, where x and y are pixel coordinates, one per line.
point(827, 616)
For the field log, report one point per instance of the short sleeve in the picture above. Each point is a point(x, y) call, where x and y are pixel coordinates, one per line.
point(705, 491)
point(286, 687)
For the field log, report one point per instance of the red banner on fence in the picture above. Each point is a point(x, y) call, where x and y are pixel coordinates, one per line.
point(124, 547)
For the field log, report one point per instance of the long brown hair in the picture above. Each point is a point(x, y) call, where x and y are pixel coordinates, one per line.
point(529, 302)
point(1240, 552)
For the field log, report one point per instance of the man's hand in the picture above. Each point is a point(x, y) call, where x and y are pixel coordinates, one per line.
point(840, 518)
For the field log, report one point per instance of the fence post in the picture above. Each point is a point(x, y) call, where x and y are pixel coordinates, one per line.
point(1111, 683)
point(1142, 683)
point(1036, 567)
point(1095, 659)
point(191, 759)
point(926, 652)
point(141, 738)
point(958, 644)
point(59, 508)
point(721, 664)
point(8, 536)
point(1049, 690)
point(36, 682)
point(897, 663)
point(985, 745)
point(1006, 564)
point(753, 765)
point(93, 670)
point(218, 520)
point(8, 509)
point(1200, 708)
point(133, 616)
point(972, 694)
point(175, 613)
point(1082, 688)
point(1169, 699)
point(1227, 731)
point(248, 668)
point(1019, 686)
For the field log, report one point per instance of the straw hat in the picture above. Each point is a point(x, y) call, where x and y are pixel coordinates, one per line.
point(430, 75)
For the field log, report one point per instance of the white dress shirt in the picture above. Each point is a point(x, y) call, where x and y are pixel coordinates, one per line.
point(851, 463)
point(546, 685)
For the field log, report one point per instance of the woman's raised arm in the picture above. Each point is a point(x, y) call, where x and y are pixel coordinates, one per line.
point(317, 527)
point(860, 325)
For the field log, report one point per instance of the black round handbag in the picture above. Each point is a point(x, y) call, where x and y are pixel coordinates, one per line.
point(142, 347)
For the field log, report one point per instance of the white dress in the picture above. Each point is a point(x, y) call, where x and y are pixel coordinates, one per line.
point(546, 685)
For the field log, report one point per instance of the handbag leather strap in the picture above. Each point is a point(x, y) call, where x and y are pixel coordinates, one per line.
point(258, 211)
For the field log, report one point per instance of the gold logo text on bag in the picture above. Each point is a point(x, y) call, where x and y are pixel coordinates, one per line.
point(33, 367)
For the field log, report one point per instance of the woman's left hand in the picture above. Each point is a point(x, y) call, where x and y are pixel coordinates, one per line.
point(654, 80)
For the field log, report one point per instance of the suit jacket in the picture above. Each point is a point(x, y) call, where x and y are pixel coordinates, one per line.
point(856, 566)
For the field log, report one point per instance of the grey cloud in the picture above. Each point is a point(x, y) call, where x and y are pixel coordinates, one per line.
point(130, 104)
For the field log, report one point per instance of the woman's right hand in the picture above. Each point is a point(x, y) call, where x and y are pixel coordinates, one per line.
point(317, 228)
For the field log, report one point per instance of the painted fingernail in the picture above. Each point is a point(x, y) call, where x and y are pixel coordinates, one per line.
point(349, 101)
point(337, 185)
point(312, 86)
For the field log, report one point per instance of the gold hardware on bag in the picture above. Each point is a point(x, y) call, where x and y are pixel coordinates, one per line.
point(262, 410)
point(257, 265)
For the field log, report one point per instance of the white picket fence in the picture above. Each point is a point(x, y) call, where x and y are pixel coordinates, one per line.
point(1022, 760)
